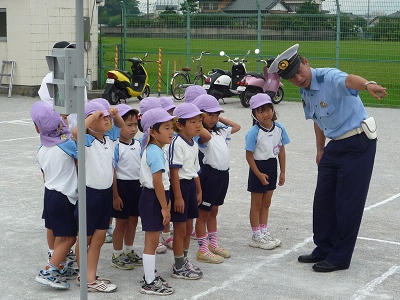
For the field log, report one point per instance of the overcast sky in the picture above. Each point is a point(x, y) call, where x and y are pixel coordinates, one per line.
point(361, 6)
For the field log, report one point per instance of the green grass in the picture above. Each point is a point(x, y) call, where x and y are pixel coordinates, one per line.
point(379, 61)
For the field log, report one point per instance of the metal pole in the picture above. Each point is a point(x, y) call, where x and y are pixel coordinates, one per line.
point(187, 33)
point(258, 36)
point(368, 16)
point(81, 151)
point(337, 33)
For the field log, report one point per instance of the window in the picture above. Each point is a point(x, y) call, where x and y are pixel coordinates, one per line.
point(3, 24)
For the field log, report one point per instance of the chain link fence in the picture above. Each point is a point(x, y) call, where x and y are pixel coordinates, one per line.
point(360, 37)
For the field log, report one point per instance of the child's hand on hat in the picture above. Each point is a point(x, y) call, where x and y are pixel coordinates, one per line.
point(98, 114)
point(113, 112)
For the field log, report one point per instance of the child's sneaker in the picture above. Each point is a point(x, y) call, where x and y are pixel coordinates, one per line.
point(209, 257)
point(161, 248)
point(268, 236)
point(169, 242)
point(260, 242)
point(220, 251)
point(186, 272)
point(101, 286)
point(105, 280)
point(52, 278)
point(109, 234)
point(71, 258)
point(134, 258)
point(122, 262)
point(193, 235)
point(157, 287)
point(68, 273)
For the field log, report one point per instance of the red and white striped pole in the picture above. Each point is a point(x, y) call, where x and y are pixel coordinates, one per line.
point(116, 57)
point(159, 71)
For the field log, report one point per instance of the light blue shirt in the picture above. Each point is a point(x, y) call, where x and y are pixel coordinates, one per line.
point(329, 103)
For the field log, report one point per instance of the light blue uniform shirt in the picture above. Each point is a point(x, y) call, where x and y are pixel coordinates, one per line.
point(329, 103)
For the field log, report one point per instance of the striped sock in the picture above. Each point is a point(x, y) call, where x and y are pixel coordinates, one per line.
point(212, 239)
point(203, 245)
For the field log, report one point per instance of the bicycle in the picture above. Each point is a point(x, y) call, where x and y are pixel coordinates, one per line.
point(181, 79)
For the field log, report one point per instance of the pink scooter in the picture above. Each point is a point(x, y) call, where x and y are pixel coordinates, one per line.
point(254, 83)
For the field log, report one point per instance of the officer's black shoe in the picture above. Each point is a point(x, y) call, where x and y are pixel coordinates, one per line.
point(324, 267)
point(309, 258)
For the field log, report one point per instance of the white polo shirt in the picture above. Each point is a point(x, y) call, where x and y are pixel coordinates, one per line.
point(185, 156)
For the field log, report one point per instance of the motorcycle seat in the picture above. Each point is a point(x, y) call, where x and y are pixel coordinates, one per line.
point(225, 72)
point(127, 74)
point(255, 74)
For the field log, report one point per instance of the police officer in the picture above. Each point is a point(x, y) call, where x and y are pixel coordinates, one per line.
point(330, 98)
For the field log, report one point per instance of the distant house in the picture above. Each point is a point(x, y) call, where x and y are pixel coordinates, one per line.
point(246, 6)
point(161, 8)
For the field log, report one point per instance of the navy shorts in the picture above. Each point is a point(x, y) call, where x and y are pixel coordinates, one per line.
point(150, 210)
point(189, 195)
point(98, 209)
point(214, 186)
point(268, 167)
point(58, 214)
point(129, 191)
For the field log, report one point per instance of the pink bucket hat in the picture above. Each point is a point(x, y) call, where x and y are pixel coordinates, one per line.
point(52, 129)
point(148, 103)
point(151, 117)
point(124, 108)
point(103, 102)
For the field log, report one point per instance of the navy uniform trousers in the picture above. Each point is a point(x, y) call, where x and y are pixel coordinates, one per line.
point(344, 174)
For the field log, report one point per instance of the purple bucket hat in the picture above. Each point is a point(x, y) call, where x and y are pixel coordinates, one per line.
point(208, 103)
point(103, 102)
point(91, 107)
point(193, 91)
point(124, 108)
point(151, 117)
point(148, 103)
point(52, 129)
point(259, 99)
point(167, 103)
point(186, 111)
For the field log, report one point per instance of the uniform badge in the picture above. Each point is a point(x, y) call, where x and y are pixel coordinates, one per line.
point(303, 102)
point(283, 64)
point(323, 104)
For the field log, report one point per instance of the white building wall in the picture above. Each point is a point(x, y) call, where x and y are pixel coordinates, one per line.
point(34, 26)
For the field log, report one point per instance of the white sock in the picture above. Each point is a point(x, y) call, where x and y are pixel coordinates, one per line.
point(118, 252)
point(149, 265)
point(128, 248)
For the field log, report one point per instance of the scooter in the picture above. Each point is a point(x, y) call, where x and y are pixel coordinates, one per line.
point(124, 85)
point(222, 83)
point(254, 83)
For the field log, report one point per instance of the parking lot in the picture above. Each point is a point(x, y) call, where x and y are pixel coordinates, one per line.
point(250, 273)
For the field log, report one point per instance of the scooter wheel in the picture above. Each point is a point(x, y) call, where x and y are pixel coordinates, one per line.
point(278, 96)
point(112, 97)
point(245, 99)
point(145, 94)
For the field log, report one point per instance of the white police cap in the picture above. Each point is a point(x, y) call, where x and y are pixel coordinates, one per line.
point(287, 63)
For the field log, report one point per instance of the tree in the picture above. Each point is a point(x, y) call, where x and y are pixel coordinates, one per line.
point(308, 7)
point(113, 8)
point(193, 7)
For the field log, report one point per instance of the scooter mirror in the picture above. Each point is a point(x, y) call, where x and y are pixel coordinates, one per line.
point(146, 54)
point(248, 52)
point(257, 51)
point(222, 53)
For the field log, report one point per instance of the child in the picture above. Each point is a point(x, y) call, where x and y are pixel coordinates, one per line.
point(106, 104)
point(165, 238)
point(264, 142)
point(56, 157)
point(214, 178)
point(153, 205)
point(126, 191)
point(145, 105)
point(99, 152)
point(185, 183)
